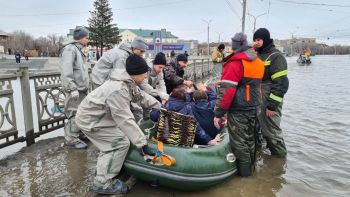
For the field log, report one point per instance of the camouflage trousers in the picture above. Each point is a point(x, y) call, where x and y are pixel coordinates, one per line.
point(217, 71)
point(113, 145)
point(71, 131)
point(272, 132)
point(244, 138)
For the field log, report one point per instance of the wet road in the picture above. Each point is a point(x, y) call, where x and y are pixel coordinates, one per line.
point(316, 126)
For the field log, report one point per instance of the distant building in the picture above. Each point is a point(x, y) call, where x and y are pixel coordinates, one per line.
point(3, 35)
point(295, 45)
point(295, 41)
point(3, 38)
point(160, 41)
point(157, 41)
point(129, 34)
point(70, 34)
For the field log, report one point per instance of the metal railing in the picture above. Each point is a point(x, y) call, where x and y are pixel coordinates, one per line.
point(49, 99)
point(8, 126)
point(198, 68)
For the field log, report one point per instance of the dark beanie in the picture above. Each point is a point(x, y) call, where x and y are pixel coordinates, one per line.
point(136, 65)
point(182, 57)
point(159, 59)
point(221, 46)
point(79, 33)
point(263, 34)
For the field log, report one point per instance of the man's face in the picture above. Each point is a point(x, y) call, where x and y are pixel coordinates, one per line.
point(139, 78)
point(138, 52)
point(84, 41)
point(183, 64)
point(158, 68)
point(258, 43)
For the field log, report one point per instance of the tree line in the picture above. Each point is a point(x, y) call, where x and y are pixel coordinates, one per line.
point(45, 46)
point(103, 33)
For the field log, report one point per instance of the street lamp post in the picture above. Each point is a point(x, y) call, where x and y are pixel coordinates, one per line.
point(243, 17)
point(219, 34)
point(256, 17)
point(208, 22)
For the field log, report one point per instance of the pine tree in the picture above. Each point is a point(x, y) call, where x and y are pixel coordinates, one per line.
point(102, 31)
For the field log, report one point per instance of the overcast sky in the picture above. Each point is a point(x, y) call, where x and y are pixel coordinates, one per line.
point(329, 22)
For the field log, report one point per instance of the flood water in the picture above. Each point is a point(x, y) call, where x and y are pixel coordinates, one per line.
point(316, 124)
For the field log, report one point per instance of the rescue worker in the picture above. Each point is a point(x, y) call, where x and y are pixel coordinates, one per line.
point(274, 86)
point(75, 83)
point(239, 98)
point(174, 73)
point(217, 57)
point(114, 60)
point(106, 119)
point(113, 63)
point(154, 83)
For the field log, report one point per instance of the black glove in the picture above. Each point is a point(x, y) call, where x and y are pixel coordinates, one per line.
point(146, 150)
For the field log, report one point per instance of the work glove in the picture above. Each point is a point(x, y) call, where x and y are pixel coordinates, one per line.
point(146, 150)
point(75, 94)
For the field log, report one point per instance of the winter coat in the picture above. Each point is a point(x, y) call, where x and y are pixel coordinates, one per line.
point(109, 106)
point(74, 73)
point(217, 56)
point(232, 81)
point(173, 76)
point(203, 111)
point(112, 61)
point(155, 85)
point(275, 82)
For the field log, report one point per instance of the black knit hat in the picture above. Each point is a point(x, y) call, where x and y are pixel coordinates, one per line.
point(160, 59)
point(221, 46)
point(182, 57)
point(263, 34)
point(136, 65)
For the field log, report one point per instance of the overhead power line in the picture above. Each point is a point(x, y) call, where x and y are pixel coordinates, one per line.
point(314, 4)
point(232, 9)
point(87, 12)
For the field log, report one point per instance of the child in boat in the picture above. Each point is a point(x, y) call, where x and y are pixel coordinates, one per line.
point(177, 103)
point(203, 105)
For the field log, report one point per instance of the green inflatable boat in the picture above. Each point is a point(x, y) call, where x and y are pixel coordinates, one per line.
point(195, 168)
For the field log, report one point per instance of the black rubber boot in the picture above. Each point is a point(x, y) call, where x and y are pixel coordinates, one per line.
point(244, 170)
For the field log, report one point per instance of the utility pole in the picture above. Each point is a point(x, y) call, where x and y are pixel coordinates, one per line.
point(256, 17)
point(219, 34)
point(243, 17)
point(292, 42)
point(208, 22)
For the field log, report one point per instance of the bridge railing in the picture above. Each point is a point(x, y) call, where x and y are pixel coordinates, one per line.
point(49, 100)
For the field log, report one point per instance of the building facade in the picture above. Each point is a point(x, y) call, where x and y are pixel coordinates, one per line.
point(3, 38)
point(160, 41)
point(127, 35)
